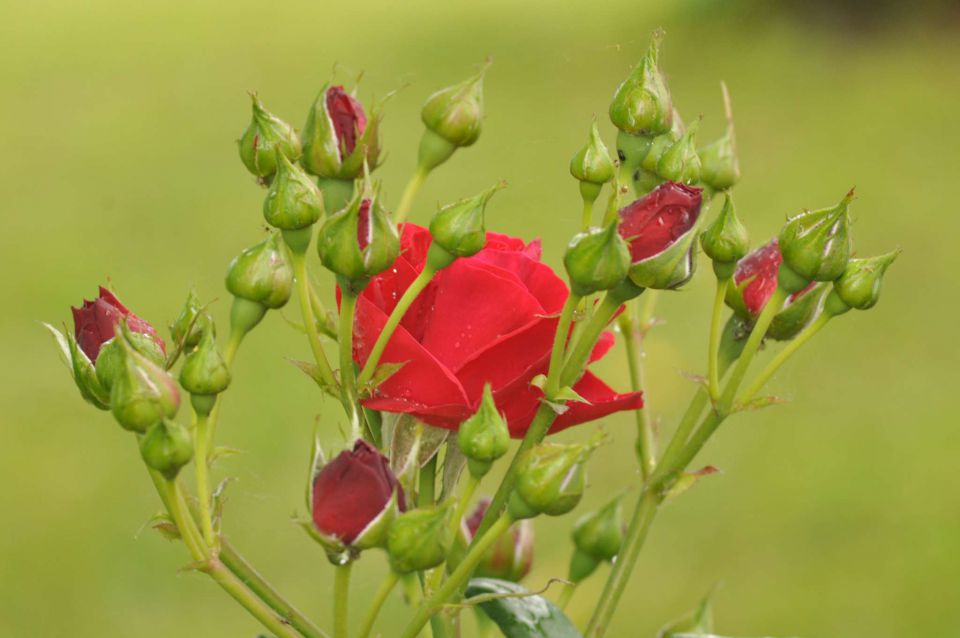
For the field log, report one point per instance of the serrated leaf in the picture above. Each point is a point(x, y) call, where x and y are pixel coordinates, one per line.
point(312, 370)
point(520, 614)
point(168, 530)
point(567, 393)
point(559, 408)
point(688, 480)
point(383, 372)
point(758, 403)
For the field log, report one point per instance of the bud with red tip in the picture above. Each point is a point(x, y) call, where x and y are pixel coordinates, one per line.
point(95, 323)
point(510, 557)
point(167, 447)
point(354, 498)
point(338, 137)
point(815, 245)
point(264, 138)
point(597, 537)
point(660, 229)
point(453, 117)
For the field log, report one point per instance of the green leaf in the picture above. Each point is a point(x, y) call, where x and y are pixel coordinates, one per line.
point(520, 614)
point(312, 370)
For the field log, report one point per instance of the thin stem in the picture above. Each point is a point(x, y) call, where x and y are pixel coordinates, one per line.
point(348, 381)
point(458, 577)
point(303, 292)
point(409, 296)
point(716, 329)
point(341, 598)
point(633, 343)
point(250, 577)
point(559, 344)
point(428, 482)
point(578, 355)
point(410, 194)
point(633, 541)
point(453, 527)
point(788, 351)
point(569, 589)
point(389, 582)
point(687, 423)
point(587, 219)
point(202, 463)
point(229, 356)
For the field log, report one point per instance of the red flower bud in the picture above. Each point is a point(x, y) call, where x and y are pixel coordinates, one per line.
point(511, 557)
point(95, 323)
point(352, 493)
point(755, 280)
point(349, 120)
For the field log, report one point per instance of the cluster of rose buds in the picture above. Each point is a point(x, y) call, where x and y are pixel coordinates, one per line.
point(452, 340)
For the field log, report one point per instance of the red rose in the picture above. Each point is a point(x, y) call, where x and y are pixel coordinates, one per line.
point(489, 318)
point(95, 323)
point(755, 280)
point(349, 120)
point(352, 491)
point(657, 220)
point(511, 556)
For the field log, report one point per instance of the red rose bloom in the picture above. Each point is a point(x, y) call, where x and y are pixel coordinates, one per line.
point(349, 120)
point(511, 556)
point(95, 323)
point(654, 222)
point(352, 490)
point(756, 280)
point(489, 318)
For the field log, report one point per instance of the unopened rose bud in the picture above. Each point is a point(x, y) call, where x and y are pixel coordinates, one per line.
point(260, 278)
point(266, 135)
point(719, 168)
point(596, 259)
point(166, 447)
point(816, 245)
point(338, 138)
point(798, 311)
point(359, 241)
point(510, 557)
point(659, 229)
point(453, 117)
point(458, 228)
point(143, 393)
point(484, 437)
point(419, 539)
point(642, 103)
point(726, 240)
point(550, 479)
point(680, 162)
point(592, 165)
point(204, 374)
point(110, 361)
point(189, 326)
point(95, 323)
point(698, 622)
point(859, 285)
point(293, 201)
point(355, 497)
point(597, 537)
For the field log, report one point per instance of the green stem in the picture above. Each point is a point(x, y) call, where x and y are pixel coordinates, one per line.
point(579, 354)
point(428, 483)
point(716, 328)
point(633, 343)
point(299, 262)
point(336, 193)
point(409, 296)
point(348, 382)
point(453, 527)
point(229, 356)
point(587, 219)
point(389, 582)
point(250, 577)
point(459, 576)
point(687, 423)
point(633, 541)
point(559, 344)
point(202, 461)
point(410, 194)
point(569, 589)
point(341, 599)
point(788, 351)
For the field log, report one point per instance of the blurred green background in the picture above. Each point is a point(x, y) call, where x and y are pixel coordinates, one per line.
point(837, 514)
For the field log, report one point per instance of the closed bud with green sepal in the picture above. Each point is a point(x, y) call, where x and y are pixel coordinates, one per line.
point(642, 104)
point(267, 135)
point(293, 201)
point(453, 117)
point(204, 374)
point(596, 259)
point(550, 479)
point(143, 393)
point(680, 162)
point(815, 245)
point(592, 165)
point(597, 537)
point(859, 285)
point(458, 228)
point(262, 274)
point(726, 240)
point(419, 539)
point(483, 438)
point(189, 326)
point(166, 447)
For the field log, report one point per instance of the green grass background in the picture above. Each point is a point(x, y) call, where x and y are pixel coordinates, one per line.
point(837, 514)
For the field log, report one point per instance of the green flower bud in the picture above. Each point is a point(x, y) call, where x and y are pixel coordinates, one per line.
point(359, 241)
point(596, 259)
point(592, 163)
point(600, 533)
point(204, 373)
point(642, 103)
point(719, 167)
point(418, 539)
point(458, 228)
point(726, 240)
point(859, 285)
point(338, 138)
point(456, 113)
point(143, 393)
point(110, 361)
point(167, 447)
point(262, 274)
point(698, 622)
point(550, 479)
point(799, 310)
point(293, 201)
point(680, 162)
point(816, 244)
point(484, 437)
point(266, 135)
point(191, 323)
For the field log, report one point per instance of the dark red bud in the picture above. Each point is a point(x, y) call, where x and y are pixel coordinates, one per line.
point(755, 280)
point(349, 120)
point(511, 557)
point(95, 323)
point(654, 222)
point(363, 225)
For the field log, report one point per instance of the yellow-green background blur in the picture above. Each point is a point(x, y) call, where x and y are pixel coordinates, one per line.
point(837, 514)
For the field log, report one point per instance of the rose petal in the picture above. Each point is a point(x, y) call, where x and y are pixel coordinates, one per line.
point(603, 401)
point(539, 278)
